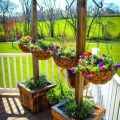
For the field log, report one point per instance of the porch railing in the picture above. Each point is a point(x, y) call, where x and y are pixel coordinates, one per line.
point(18, 67)
point(108, 96)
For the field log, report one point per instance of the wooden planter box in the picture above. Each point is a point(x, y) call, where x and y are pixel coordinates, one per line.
point(60, 115)
point(35, 101)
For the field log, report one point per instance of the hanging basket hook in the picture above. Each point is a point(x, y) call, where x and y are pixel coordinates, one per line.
point(99, 5)
point(68, 7)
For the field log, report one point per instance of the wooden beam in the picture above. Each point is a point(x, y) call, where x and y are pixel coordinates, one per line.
point(80, 46)
point(34, 36)
point(34, 20)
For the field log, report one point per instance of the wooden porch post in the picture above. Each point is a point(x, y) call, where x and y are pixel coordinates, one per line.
point(34, 36)
point(80, 46)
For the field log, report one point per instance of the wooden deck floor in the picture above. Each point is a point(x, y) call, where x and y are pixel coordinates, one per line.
point(11, 109)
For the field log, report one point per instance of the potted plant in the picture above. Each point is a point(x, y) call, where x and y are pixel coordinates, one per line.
point(98, 69)
point(33, 93)
point(24, 43)
point(91, 66)
point(70, 110)
point(64, 58)
point(42, 49)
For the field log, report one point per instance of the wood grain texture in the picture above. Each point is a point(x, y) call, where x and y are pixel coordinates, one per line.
point(34, 38)
point(60, 115)
point(80, 46)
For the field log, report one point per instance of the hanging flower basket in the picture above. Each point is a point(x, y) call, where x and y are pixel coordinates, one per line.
point(41, 54)
point(97, 69)
point(64, 58)
point(65, 62)
point(24, 47)
point(42, 49)
point(71, 78)
point(98, 78)
point(24, 43)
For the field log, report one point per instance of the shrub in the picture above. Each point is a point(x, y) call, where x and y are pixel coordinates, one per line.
point(37, 84)
point(3, 38)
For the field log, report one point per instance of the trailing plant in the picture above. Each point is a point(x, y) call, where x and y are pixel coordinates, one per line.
point(43, 45)
point(81, 111)
point(37, 84)
point(95, 64)
point(25, 40)
point(64, 52)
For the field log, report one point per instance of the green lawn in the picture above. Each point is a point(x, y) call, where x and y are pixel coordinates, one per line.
point(113, 23)
point(7, 48)
point(112, 27)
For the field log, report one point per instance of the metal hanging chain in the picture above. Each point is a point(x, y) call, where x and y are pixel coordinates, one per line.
point(93, 34)
point(67, 10)
point(99, 24)
point(94, 17)
point(99, 5)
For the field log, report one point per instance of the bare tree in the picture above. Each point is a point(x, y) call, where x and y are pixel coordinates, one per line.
point(26, 8)
point(70, 15)
point(6, 7)
point(49, 7)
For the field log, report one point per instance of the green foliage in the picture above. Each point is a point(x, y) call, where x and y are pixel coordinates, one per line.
point(3, 38)
point(96, 63)
point(64, 52)
point(7, 48)
point(60, 93)
point(37, 84)
point(25, 40)
point(43, 45)
point(79, 112)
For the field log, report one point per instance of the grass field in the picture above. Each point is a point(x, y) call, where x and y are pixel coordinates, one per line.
point(113, 23)
point(112, 27)
point(7, 48)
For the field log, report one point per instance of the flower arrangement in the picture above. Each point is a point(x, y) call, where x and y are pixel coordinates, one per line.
point(63, 57)
point(42, 49)
point(64, 52)
point(24, 43)
point(25, 40)
point(97, 69)
point(43, 45)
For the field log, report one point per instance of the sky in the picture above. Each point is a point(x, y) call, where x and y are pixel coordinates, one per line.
point(61, 3)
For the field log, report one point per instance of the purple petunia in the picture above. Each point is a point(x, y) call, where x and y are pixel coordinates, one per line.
point(18, 37)
point(100, 64)
point(116, 66)
point(104, 55)
point(90, 76)
point(82, 57)
point(56, 48)
point(72, 70)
